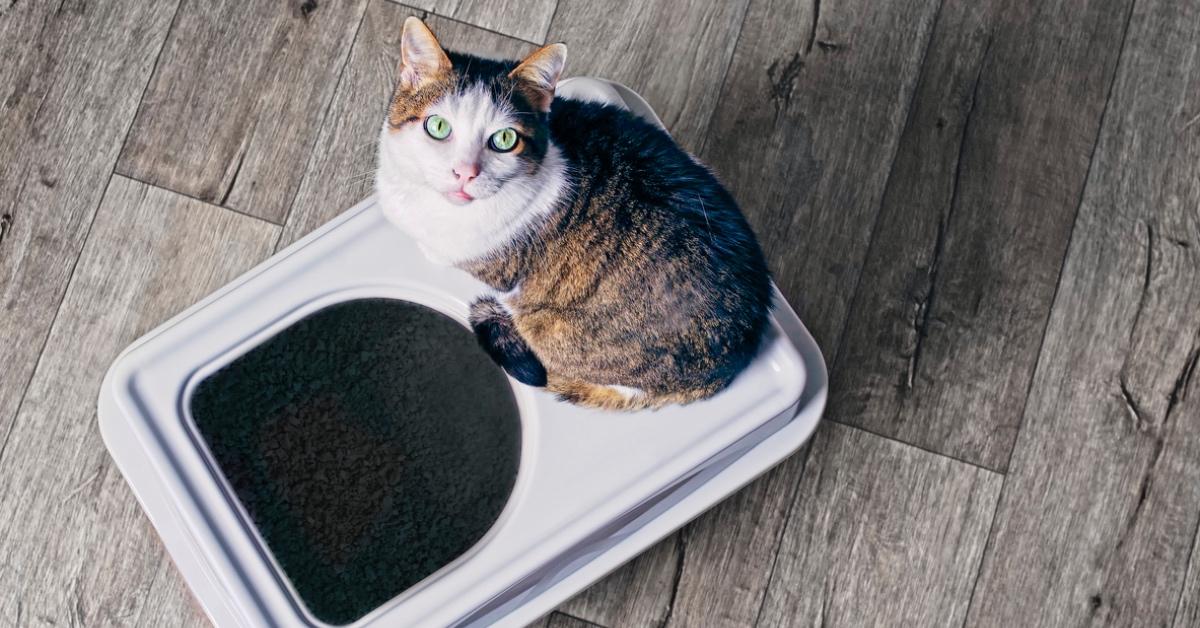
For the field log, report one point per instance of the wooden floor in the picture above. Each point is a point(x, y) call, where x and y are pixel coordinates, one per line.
point(987, 211)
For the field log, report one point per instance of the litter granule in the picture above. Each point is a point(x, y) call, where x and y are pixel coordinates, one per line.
point(371, 443)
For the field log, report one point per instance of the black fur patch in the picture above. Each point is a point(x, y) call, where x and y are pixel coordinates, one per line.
point(496, 333)
point(471, 71)
point(646, 275)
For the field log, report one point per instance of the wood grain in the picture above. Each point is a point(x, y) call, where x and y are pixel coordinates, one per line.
point(341, 171)
point(76, 549)
point(938, 149)
point(239, 94)
point(1102, 501)
point(729, 552)
point(560, 620)
point(70, 79)
point(882, 534)
point(524, 19)
point(638, 594)
point(672, 52)
point(1187, 613)
point(804, 135)
point(944, 334)
point(168, 601)
point(805, 132)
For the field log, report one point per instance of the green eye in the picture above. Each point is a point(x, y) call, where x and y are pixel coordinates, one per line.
point(503, 140)
point(437, 127)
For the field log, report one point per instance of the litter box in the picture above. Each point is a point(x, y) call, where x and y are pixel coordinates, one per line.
point(321, 443)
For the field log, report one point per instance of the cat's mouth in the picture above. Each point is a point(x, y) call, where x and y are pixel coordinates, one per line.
point(459, 197)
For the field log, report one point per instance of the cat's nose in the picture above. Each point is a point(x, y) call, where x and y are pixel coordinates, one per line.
point(466, 172)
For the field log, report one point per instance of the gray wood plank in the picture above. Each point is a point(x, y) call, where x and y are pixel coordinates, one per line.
point(804, 135)
point(560, 620)
point(673, 52)
point(341, 171)
point(637, 594)
point(1102, 499)
point(942, 340)
point(1187, 613)
point(729, 552)
point(76, 548)
point(882, 534)
point(168, 602)
point(524, 19)
point(70, 79)
point(235, 104)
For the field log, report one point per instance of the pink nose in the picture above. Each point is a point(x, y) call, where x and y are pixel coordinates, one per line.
point(466, 172)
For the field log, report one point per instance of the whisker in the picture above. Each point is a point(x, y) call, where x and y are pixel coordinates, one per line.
point(366, 180)
point(362, 176)
point(374, 142)
point(706, 222)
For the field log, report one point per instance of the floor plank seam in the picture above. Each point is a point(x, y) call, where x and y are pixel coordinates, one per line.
point(1183, 584)
point(987, 548)
point(146, 88)
point(581, 620)
point(737, 40)
point(841, 335)
point(168, 564)
point(200, 200)
point(12, 426)
point(554, 16)
point(871, 237)
point(680, 554)
point(924, 310)
point(423, 13)
point(1074, 223)
point(87, 234)
point(787, 518)
point(918, 447)
point(312, 153)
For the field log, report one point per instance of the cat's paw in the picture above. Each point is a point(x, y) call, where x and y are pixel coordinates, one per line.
point(488, 310)
point(497, 334)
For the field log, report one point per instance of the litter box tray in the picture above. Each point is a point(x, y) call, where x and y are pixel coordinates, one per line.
point(321, 443)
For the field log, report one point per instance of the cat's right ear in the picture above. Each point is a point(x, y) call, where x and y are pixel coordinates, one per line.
point(538, 74)
point(422, 60)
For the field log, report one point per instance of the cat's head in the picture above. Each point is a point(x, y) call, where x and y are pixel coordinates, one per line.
point(466, 127)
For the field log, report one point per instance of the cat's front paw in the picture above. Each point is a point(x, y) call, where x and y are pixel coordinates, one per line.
point(497, 334)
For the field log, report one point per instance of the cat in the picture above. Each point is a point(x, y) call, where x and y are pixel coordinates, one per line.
point(625, 275)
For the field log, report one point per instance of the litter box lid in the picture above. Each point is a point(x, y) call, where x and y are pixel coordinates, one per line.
point(592, 489)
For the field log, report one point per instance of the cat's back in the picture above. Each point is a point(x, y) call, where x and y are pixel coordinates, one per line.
point(605, 139)
point(633, 175)
point(644, 201)
point(658, 267)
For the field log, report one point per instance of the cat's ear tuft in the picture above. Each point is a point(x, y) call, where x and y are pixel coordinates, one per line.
point(539, 74)
point(422, 59)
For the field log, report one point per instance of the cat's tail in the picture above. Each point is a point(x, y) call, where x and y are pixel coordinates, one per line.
point(497, 334)
point(619, 398)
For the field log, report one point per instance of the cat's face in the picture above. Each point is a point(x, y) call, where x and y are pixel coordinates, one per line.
point(467, 128)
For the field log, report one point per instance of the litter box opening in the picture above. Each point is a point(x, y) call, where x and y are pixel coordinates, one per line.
point(370, 443)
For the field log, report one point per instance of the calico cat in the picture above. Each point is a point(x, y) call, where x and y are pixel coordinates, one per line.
point(626, 276)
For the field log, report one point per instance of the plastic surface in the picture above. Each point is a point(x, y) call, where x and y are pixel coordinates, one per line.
point(593, 488)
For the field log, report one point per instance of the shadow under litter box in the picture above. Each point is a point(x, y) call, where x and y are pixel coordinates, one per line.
point(371, 443)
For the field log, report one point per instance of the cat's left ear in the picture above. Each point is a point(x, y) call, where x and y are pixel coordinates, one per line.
point(422, 59)
point(539, 73)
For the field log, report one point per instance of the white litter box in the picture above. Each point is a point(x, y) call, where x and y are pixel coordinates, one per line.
point(591, 489)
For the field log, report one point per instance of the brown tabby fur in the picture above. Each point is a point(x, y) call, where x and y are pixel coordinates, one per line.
point(573, 309)
point(609, 292)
